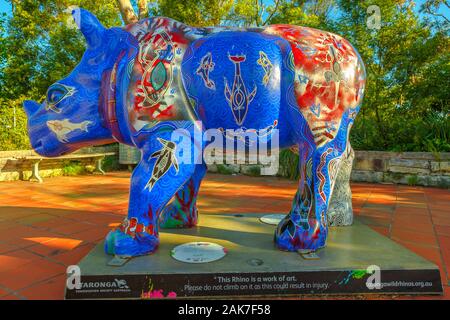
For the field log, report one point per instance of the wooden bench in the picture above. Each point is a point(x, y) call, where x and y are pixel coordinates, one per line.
point(35, 160)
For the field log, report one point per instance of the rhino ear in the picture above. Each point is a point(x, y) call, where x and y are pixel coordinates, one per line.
point(89, 26)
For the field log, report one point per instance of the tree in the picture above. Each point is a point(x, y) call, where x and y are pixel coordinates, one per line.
point(406, 104)
point(309, 13)
point(38, 47)
point(195, 12)
point(404, 60)
point(129, 14)
point(432, 6)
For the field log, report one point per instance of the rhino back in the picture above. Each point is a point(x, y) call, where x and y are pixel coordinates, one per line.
point(233, 79)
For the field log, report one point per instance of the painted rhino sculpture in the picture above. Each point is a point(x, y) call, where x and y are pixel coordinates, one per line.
point(140, 83)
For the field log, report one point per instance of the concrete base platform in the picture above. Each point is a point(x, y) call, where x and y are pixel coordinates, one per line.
point(254, 267)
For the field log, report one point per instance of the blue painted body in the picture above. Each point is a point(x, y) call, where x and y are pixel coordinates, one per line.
point(140, 84)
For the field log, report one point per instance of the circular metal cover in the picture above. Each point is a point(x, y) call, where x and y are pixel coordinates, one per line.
point(198, 252)
point(273, 219)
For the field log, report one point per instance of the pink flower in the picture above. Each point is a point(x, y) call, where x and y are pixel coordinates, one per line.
point(157, 294)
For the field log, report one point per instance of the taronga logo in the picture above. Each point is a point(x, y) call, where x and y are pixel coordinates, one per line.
point(118, 284)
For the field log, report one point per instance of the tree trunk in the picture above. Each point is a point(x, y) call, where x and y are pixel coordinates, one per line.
point(127, 11)
point(143, 9)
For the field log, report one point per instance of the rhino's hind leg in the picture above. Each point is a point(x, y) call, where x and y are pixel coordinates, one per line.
point(182, 211)
point(340, 212)
point(306, 227)
point(158, 176)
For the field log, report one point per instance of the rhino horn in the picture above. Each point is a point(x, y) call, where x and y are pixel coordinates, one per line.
point(89, 26)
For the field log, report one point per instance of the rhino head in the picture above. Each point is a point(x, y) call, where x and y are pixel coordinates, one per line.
point(71, 116)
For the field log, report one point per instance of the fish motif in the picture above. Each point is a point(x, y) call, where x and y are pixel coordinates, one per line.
point(238, 97)
point(206, 66)
point(265, 63)
point(165, 160)
point(63, 127)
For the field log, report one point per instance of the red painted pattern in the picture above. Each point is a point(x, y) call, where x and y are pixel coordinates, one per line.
point(329, 76)
point(322, 178)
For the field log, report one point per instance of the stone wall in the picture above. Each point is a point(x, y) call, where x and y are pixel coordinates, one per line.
point(414, 168)
point(10, 168)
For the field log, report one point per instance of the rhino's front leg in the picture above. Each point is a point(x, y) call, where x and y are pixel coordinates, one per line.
point(158, 176)
point(182, 211)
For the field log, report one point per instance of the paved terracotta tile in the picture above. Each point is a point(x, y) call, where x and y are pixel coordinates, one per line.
point(376, 213)
point(55, 246)
point(442, 230)
point(54, 222)
point(4, 247)
point(28, 274)
point(60, 221)
point(444, 242)
point(447, 292)
point(51, 289)
point(3, 292)
point(15, 259)
point(430, 253)
point(11, 297)
point(74, 256)
point(442, 221)
point(440, 213)
point(416, 223)
point(25, 236)
point(92, 235)
point(399, 233)
point(411, 211)
point(74, 227)
point(35, 219)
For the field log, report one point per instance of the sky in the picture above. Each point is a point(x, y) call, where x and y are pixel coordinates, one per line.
point(6, 7)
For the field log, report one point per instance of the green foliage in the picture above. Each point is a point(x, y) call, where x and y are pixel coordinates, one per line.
point(223, 169)
point(314, 14)
point(406, 105)
point(111, 163)
point(195, 12)
point(412, 180)
point(289, 165)
point(13, 126)
point(253, 171)
point(42, 45)
point(443, 184)
point(38, 47)
point(73, 168)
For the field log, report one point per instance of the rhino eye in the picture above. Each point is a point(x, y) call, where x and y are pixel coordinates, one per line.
point(56, 93)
